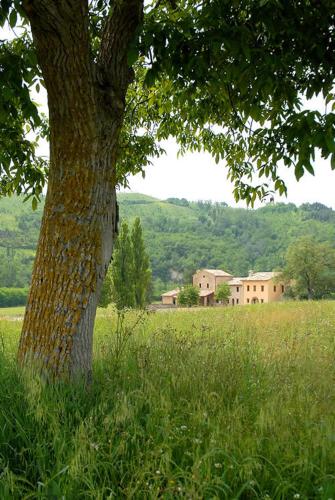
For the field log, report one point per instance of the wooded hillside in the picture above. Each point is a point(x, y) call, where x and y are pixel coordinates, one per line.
point(180, 236)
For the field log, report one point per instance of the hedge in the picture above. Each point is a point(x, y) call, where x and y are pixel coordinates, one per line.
point(13, 297)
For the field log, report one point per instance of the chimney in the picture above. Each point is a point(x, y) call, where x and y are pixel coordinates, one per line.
point(251, 272)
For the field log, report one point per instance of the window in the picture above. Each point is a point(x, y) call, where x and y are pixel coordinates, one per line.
point(282, 289)
point(248, 288)
point(237, 289)
point(254, 288)
point(275, 288)
point(199, 285)
point(248, 300)
point(262, 300)
point(207, 285)
point(262, 288)
point(204, 276)
point(237, 301)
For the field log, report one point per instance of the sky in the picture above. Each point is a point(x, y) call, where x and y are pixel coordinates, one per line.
point(197, 177)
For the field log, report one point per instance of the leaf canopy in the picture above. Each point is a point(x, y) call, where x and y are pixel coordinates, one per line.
point(227, 77)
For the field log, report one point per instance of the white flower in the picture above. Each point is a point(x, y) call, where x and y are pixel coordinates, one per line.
point(296, 495)
point(218, 466)
point(158, 472)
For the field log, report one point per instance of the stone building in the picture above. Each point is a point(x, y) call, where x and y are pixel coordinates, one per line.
point(259, 287)
point(208, 281)
point(262, 287)
point(170, 298)
point(236, 291)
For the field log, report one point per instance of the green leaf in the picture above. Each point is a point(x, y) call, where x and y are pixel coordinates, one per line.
point(309, 167)
point(12, 19)
point(330, 143)
point(299, 171)
point(332, 161)
point(132, 55)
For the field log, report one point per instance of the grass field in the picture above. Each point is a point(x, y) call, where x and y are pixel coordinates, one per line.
point(217, 403)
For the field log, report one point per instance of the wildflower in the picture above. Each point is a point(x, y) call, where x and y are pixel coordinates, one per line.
point(218, 466)
point(158, 472)
point(183, 427)
point(296, 495)
point(95, 446)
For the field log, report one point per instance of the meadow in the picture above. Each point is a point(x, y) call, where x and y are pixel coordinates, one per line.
point(215, 403)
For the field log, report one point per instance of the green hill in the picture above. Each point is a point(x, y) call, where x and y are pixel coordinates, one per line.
point(180, 236)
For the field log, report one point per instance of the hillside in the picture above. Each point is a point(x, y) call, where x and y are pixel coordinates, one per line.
point(180, 236)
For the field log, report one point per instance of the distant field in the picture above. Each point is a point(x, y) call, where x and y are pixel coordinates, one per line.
point(18, 312)
point(10, 312)
point(210, 403)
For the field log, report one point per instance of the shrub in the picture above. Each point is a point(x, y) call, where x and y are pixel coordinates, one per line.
point(188, 296)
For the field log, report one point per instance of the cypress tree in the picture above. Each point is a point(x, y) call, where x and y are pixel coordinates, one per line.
point(141, 266)
point(122, 270)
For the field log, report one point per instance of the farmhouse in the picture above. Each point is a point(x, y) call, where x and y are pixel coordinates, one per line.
point(208, 281)
point(261, 288)
point(257, 287)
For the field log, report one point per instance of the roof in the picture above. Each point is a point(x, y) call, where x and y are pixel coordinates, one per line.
point(236, 281)
point(171, 293)
point(262, 276)
point(205, 293)
point(216, 272)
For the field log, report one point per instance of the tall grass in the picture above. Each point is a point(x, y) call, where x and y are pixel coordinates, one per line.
point(218, 403)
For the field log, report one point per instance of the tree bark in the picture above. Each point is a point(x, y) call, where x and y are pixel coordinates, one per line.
point(86, 105)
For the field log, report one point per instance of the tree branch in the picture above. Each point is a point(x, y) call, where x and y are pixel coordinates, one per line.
point(113, 71)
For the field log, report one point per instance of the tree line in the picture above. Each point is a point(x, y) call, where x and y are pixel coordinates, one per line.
point(181, 237)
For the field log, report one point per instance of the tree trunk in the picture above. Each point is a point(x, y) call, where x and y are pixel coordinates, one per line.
point(74, 251)
point(86, 105)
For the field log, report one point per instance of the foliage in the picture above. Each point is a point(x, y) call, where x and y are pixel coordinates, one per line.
point(10, 297)
point(310, 266)
point(223, 292)
point(106, 294)
point(157, 426)
point(188, 296)
point(130, 285)
point(122, 270)
point(226, 77)
point(141, 266)
point(229, 77)
point(21, 169)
